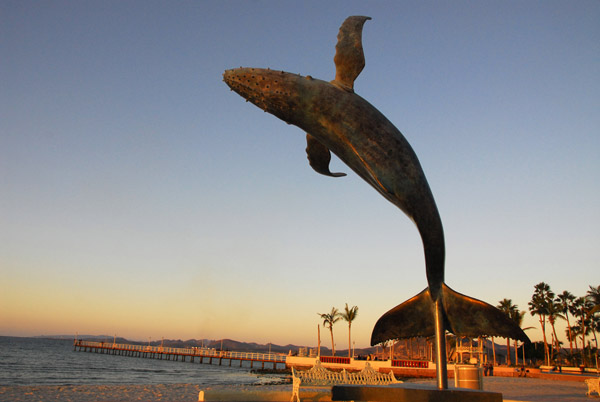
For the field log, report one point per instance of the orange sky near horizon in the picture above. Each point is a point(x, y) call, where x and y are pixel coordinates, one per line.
point(26, 310)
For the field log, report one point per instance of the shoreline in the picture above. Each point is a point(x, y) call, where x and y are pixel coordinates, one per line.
point(513, 389)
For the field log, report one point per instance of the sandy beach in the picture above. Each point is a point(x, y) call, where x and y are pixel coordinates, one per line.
point(513, 389)
point(100, 393)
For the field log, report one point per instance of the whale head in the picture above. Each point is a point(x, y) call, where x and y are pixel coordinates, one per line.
point(280, 93)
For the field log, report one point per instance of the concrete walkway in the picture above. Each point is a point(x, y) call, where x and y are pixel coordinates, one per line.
point(531, 389)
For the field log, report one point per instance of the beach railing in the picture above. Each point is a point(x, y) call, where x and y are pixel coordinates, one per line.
point(334, 360)
point(410, 363)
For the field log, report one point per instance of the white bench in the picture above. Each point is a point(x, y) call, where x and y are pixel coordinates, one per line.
point(318, 377)
point(593, 385)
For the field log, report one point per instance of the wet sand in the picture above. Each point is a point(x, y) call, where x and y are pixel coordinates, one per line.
point(513, 389)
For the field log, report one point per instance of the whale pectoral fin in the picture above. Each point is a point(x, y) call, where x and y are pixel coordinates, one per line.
point(471, 317)
point(319, 157)
point(412, 318)
point(349, 56)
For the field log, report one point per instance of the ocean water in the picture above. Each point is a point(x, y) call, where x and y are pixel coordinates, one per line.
point(38, 361)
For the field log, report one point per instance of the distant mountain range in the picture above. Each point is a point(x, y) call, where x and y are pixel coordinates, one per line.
point(224, 344)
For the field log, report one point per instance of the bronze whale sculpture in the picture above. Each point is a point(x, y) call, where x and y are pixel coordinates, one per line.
point(338, 120)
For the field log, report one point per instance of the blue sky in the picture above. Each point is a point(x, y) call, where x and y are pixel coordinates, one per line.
point(140, 197)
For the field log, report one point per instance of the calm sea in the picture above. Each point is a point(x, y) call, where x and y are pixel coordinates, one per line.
point(37, 361)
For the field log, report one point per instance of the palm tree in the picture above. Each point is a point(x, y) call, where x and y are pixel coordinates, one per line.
point(349, 315)
point(517, 317)
point(574, 310)
point(384, 345)
point(571, 334)
point(582, 308)
point(539, 306)
point(576, 330)
point(328, 320)
point(565, 302)
point(506, 306)
point(595, 327)
point(553, 314)
point(593, 295)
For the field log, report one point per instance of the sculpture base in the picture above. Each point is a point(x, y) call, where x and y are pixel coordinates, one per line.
point(410, 393)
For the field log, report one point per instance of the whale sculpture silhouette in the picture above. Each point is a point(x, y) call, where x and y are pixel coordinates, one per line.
point(338, 120)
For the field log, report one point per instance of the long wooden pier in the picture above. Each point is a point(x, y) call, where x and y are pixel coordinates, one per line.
point(202, 355)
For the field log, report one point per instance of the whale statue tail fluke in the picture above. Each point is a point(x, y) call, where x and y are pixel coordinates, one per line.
point(463, 316)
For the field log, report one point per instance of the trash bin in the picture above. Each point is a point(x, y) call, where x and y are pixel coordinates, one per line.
point(468, 376)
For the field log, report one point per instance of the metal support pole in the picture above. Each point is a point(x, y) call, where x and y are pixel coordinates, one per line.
point(440, 347)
